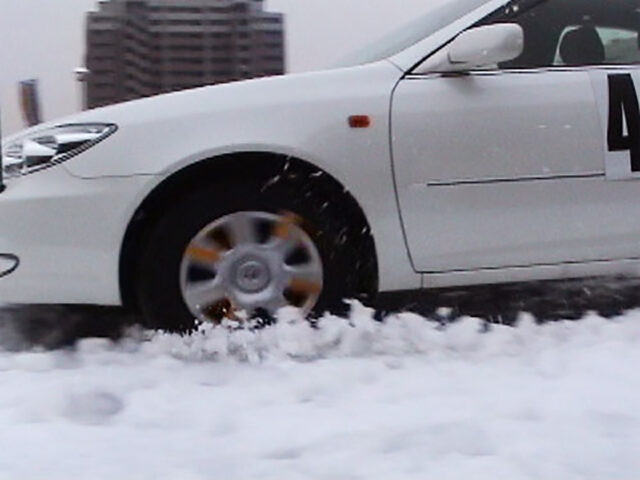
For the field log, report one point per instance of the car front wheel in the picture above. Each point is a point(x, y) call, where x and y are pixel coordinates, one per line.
point(240, 251)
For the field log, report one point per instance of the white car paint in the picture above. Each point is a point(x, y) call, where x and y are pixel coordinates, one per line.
point(67, 233)
point(461, 201)
point(488, 175)
point(303, 116)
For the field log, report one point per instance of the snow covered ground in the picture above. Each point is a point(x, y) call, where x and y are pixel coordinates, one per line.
point(352, 400)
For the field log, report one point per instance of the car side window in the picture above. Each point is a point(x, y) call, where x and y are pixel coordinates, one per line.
point(619, 45)
point(573, 32)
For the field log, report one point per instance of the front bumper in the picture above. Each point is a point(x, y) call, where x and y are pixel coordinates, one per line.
point(63, 236)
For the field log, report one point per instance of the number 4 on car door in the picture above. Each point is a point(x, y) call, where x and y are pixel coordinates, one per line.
point(624, 108)
point(618, 104)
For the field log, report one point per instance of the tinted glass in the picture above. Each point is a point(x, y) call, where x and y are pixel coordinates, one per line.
point(574, 32)
point(417, 30)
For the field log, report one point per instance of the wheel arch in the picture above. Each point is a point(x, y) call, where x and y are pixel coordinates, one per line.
point(268, 166)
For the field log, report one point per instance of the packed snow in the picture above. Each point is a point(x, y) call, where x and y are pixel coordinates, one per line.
point(349, 399)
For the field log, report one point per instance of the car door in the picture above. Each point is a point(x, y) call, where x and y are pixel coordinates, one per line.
point(513, 167)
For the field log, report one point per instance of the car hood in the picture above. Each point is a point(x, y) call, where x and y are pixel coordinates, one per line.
point(287, 115)
point(249, 95)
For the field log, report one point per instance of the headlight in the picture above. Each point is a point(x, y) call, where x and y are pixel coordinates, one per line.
point(46, 148)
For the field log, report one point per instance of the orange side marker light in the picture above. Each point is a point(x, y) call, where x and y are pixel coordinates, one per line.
point(360, 121)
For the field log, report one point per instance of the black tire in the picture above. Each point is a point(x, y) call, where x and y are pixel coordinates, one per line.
point(349, 265)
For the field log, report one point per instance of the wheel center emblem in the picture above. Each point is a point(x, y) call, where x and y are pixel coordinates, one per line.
point(252, 276)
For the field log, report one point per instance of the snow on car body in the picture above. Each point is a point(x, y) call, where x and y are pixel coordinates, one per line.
point(490, 141)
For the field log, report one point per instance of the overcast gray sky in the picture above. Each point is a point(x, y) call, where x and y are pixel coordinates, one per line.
point(44, 39)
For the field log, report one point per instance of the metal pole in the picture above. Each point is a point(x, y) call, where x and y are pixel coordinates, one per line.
point(82, 77)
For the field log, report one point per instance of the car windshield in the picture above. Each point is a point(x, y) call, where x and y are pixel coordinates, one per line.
point(410, 34)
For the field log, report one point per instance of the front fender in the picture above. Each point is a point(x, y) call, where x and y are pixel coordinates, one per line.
point(304, 116)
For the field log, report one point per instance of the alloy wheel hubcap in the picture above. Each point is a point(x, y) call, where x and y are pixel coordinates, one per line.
point(251, 275)
point(250, 263)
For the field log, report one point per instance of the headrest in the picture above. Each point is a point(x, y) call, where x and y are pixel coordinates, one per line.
point(582, 46)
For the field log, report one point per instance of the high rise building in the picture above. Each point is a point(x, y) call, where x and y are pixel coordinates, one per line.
point(138, 48)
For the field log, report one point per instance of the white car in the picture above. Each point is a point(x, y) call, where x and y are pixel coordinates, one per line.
point(487, 142)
